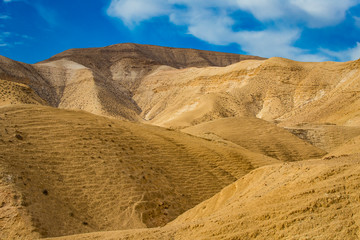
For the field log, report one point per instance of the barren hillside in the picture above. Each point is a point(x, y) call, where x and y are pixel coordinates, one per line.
point(102, 80)
point(276, 89)
point(143, 142)
point(303, 200)
point(258, 136)
point(17, 93)
point(70, 172)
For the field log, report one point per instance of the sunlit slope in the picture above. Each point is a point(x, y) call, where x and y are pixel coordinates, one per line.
point(102, 80)
point(258, 136)
point(303, 200)
point(276, 89)
point(327, 137)
point(348, 148)
point(73, 172)
point(126, 64)
point(78, 87)
point(17, 93)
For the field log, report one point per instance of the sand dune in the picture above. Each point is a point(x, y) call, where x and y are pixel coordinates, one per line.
point(258, 136)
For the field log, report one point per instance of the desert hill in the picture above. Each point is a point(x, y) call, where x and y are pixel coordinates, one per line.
point(315, 199)
point(258, 136)
point(276, 89)
point(349, 148)
point(17, 93)
point(137, 82)
point(325, 136)
point(102, 80)
point(135, 141)
point(70, 172)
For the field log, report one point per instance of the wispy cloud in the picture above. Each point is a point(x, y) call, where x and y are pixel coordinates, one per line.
point(345, 55)
point(212, 21)
point(4, 17)
point(48, 14)
point(8, 39)
point(3, 38)
point(357, 21)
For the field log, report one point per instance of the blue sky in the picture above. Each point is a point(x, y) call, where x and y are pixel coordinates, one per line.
point(304, 30)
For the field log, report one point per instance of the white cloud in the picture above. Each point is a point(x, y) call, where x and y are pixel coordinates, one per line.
point(211, 21)
point(314, 13)
point(345, 55)
point(132, 12)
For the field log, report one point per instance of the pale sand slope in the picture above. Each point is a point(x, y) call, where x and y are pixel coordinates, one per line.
point(78, 87)
point(66, 84)
point(101, 80)
point(316, 199)
point(276, 89)
point(17, 93)
point(126, 64)
point(69, 172)
point(258, 136)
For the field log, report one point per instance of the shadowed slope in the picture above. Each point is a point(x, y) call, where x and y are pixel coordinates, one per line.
point(303, 200)
point(127, 63)
point(258, 136)
point(74, 172)
point(102, 80)
point(17, 93)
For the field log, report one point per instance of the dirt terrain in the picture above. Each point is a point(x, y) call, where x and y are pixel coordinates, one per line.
point(135, 141)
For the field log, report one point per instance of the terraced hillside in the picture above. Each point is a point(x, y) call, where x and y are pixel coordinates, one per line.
point(303, 200)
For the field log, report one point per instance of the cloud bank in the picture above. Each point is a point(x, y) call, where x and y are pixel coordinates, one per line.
point(281, 22)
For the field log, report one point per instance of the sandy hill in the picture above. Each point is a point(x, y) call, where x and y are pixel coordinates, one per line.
point(258, 136)
point(102, 80)
point(350, 147)
point(211, 167)
point(67, 172)
point(303, 200)
point(276, 89)
point(178, 88)
point(327, 136)
point(17, 93)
